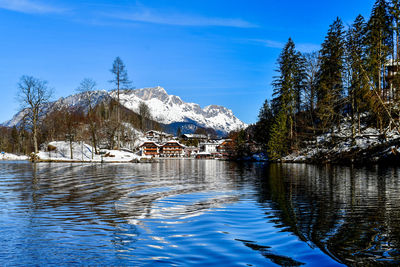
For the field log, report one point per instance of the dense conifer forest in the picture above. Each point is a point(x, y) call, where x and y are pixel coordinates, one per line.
point(353, 77)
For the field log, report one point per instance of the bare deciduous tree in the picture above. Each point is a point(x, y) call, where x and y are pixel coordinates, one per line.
point(33, 94)
point(121, 81)
point(87, 87)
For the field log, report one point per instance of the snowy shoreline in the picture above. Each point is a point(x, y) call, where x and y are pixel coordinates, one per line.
point(13, 157)
point(370, 147)
point(60, 151)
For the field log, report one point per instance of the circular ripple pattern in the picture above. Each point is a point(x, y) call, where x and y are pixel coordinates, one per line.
point(193, 212)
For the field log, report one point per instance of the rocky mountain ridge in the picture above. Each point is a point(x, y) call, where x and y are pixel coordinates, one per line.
point(169, 110)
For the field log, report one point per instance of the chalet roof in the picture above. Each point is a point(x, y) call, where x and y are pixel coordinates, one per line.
point(225, 142)
point(173, 141)
point(150, 142)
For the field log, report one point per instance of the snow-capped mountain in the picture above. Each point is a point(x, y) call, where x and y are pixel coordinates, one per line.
point(77, 100)
point(169, 109)
point(166, 109)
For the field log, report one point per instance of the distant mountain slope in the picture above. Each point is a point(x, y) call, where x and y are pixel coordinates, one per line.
point(77, 100)
point(168, 110)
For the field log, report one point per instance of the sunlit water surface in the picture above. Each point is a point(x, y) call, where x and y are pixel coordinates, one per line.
point(187, 212)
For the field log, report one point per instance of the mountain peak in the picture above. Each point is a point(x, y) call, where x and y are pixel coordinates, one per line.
point(151, 92)
point(164, 108)
point(169, 109)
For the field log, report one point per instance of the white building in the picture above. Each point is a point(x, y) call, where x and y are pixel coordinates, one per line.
point(209, 147)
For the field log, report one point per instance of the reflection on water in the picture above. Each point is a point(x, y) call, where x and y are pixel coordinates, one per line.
point(350, 214)
point(184, 212)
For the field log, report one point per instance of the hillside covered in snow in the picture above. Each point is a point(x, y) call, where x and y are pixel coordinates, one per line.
point(168, 110)
point(60, 151)
point(338, 146)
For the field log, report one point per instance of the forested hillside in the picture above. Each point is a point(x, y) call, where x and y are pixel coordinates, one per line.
point(353, 78)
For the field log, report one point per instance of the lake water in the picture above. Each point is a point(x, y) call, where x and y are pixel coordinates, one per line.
point(195, 212)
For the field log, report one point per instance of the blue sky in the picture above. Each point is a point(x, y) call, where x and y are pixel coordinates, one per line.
point(210, 52)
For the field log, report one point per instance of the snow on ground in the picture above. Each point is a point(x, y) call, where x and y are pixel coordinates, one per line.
point(9, 156)
point(339, 141)
point(138, 137)
point(84, 153)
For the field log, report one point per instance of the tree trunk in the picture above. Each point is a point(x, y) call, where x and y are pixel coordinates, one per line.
point(359, 121)
point(70, 147)
point(94, 139)
point(118, 117)
point(35, 143)
point(379, 70)
point(353, 126)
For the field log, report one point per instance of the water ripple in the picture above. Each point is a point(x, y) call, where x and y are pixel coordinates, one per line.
point(184, 212)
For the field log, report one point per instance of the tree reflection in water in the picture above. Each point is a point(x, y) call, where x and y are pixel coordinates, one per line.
point(127, 214)
point(351, 214)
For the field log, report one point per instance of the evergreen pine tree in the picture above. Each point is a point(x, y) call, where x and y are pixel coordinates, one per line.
point(277, 144)
point(289, 84)
point(379, 43)
point(358, 87)
point(263, 126)
point(379, 48)
point(330, 76)
point(287, 100)
point(395, 81)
